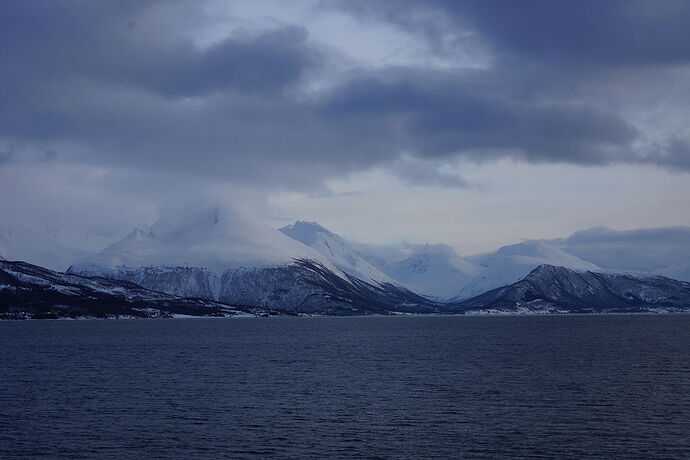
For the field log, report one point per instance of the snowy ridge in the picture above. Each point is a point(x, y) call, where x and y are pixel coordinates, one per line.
point(336, 249)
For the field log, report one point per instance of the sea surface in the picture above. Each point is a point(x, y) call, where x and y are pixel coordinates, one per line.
point(388, 387)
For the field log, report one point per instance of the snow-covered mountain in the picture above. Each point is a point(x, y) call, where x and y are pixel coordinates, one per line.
point(434, 270)
point(228, 256)
point(512, 263)
point(225, 255)
point(216, 239)
point(52, 247)
point(549, 289)
point(336, 249)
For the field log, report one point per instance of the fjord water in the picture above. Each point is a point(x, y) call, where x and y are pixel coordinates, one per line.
point(494, 387)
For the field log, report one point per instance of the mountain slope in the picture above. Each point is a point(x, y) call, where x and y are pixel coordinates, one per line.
point(512, 263)
point(557, 289)
point(29, 290)
point(336, 249)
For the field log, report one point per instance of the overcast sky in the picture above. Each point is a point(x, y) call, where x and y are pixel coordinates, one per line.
point(476, 124)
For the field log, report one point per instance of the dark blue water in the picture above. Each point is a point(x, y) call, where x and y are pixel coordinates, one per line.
point(498, 387)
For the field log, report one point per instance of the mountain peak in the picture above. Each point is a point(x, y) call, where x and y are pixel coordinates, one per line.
point(138, 235)
point(335, 248)
point(305, 231)
point(550, 270)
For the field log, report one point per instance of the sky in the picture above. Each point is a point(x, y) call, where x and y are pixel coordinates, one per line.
point(473, 123)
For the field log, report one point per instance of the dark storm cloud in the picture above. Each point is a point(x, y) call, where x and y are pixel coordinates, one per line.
point(565, 52)
point(674, 153)
point(82, 40)
point(606, 33)
point(440, 117)
point(627, 32)
point(121, 83)
point(113, 84)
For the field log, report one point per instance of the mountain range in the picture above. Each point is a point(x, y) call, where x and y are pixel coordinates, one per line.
point(228, 257)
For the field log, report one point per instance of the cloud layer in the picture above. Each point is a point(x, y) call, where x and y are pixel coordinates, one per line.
point(126, 84)
point(471, 123)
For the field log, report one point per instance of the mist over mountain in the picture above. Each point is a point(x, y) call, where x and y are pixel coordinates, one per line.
point(216, 238)
point(644, 250)
point(434, 270)
point(53, 247)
